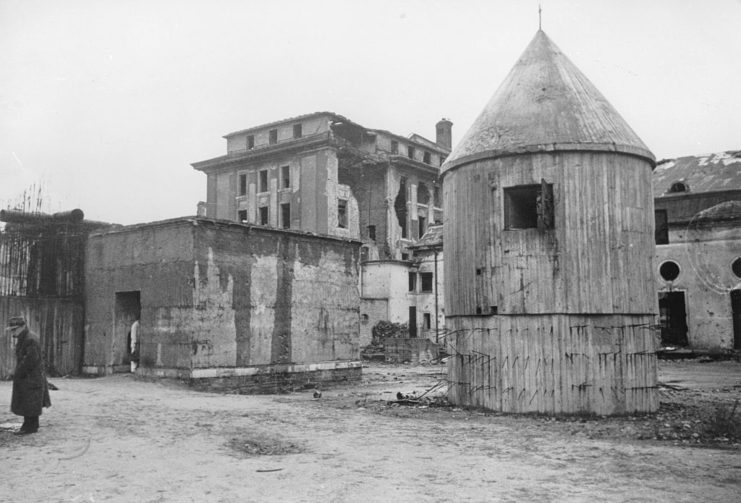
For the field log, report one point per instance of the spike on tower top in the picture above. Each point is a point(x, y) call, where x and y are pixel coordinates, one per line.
point(540, 17)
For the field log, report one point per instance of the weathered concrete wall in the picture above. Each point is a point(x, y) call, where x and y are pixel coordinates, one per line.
point(432, 302)
point(249, 296)
point(157, 261)
point(371, 312)
point(704, 257)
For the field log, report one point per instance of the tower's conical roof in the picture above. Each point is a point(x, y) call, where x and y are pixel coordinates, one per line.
point(546, 104)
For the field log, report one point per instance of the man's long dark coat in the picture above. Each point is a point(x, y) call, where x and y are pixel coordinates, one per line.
point(30, 390)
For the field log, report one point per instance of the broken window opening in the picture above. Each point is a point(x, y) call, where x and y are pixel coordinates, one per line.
point(242, 184)
point(372, 232)
point(297, 131)
point(426, 321)
point(423, 194)
point(410, 152)
point(400, 206)
point(436, 196)
point(285, 215)
point(412, 281)
point(427, 158)
point(285, 177)
point(394, 147)
point(264, 180)
point(661, 230)
point(427, 281)
point(242, 216)
point(273, 136)
point(342, 213)
point(529, 207)
point(250, 142)
point(264, 215)
point(422, 222)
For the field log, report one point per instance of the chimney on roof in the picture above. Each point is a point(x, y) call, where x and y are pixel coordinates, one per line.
point(444, 133)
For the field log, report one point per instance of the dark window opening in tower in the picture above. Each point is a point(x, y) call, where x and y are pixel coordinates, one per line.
point(400, 206)
point(372, 232)
point(661, 230)
point(529, 207)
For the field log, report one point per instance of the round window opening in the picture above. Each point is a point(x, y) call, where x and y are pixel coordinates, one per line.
point(736, 267)
point(669, 270)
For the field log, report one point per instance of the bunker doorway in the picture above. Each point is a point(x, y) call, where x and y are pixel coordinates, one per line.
point(673, 318)
point(736, 310)
point(128, 310)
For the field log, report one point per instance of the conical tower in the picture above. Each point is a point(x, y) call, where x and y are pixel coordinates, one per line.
point(549, 281)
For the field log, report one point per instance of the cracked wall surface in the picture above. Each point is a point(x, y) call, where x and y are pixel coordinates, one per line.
point(223, 296)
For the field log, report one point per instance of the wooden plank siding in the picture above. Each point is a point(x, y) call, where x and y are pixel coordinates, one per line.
point(554, 364)
point(59, 324)
point(595, 260)
point(575, 304)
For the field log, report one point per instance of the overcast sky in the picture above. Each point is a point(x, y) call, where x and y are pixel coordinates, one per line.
point(106, 104)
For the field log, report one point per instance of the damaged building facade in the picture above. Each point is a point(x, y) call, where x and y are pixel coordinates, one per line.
point(549, 237)
point(324, 174)
point(698, 252)
point(224, 305)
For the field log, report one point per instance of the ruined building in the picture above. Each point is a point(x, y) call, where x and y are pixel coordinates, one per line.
point(698, 237)
point(549, 279)
point(325, 174)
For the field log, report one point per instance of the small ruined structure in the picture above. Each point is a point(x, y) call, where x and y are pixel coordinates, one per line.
point(549, 282)
point(42, 279)
point(698, 252)
point(226, 306)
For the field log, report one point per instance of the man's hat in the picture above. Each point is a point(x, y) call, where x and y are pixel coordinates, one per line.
point(16, 321)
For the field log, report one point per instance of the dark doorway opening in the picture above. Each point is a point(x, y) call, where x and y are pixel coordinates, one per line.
point(128, 310)
point(736, 310)
point(673, 318)
point(412, 322)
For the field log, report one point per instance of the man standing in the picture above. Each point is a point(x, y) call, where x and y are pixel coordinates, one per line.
point(30, 390)
point(134, 345)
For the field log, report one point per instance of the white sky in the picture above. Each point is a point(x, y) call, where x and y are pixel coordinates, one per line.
point(106, 103)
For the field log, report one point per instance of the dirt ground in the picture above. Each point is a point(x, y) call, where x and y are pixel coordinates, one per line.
point(121, 438)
